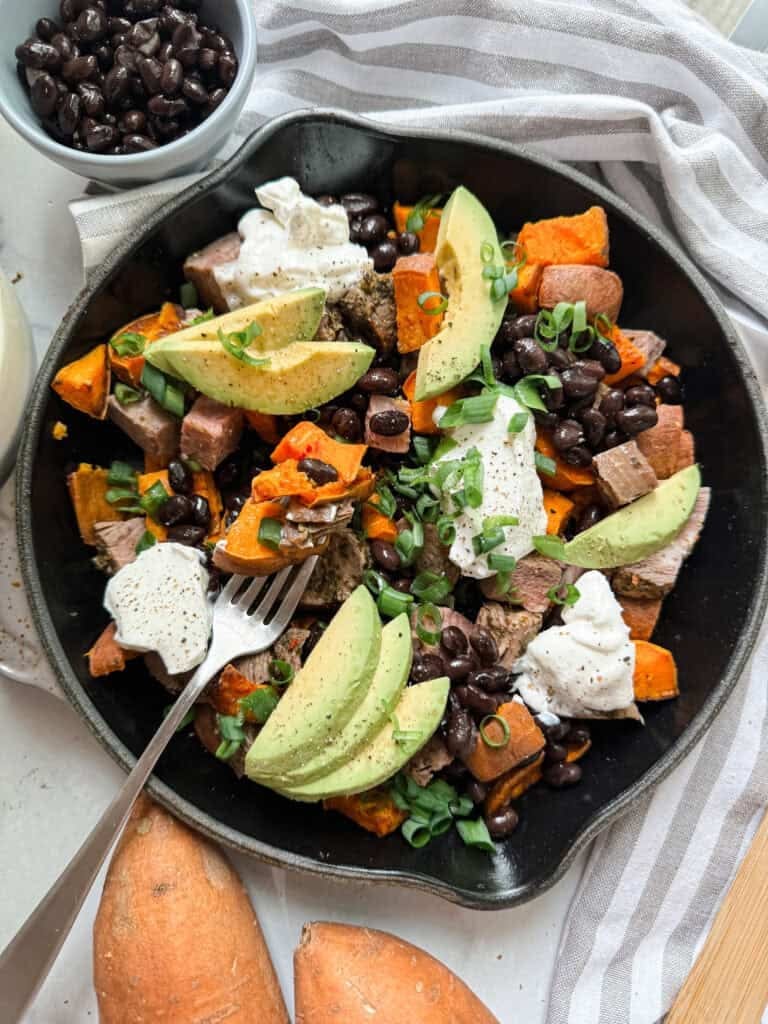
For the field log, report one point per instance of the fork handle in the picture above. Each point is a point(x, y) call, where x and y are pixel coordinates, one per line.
point(27, 959)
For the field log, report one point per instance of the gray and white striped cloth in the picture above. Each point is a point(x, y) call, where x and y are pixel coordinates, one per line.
point(672, 117)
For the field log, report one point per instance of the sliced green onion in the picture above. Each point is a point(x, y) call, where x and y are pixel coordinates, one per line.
point(227, 749)
point(236, 342)
point(528, 390)
point(431, 588)
point(152, 499)
point(487, 365)
point(499, 289)
point(115, 495)
point(477, 409)
point(432, 310)
point(502, 563)
point(186, 721)
point(545, 332)
point(487, 540)
point(604, 328)
point(503, 582)
point(259, 703)
point(426, 613)
point(445, 445)
point(374, 581)
point(518, 256)
point(188, 295)
point(404, 545)
point(473, 483)
point(203, 318)
point(192, 464)
point(392, 602)
point(423, 448)
point(492, 273)
point(517, 422)
point(427, 507)
point(126, 395)
point(413, 475)
point(552, 547)
point(562, 316)
point(416, 832)
point(579, 319)
point(510, 279)
point(232, 735)
point(122, 473)
point(544, 464)
point(129, 344)
point(461, 807)
point(491, 522)
point(421, 210)
point(280, 672)
point(487, 252)
point(270, 532)
point(475, 833)
point(170, 396)
point(440, 822)
point(578, 343)
point(446, 531)
point(146, 541)
point(567, 600)
point(173, 400)
point(386, 503)
point(504, 728)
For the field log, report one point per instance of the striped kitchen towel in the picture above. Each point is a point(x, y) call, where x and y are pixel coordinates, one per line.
point(649, 99)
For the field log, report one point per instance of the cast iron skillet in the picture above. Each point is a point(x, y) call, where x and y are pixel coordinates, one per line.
point(710, 620)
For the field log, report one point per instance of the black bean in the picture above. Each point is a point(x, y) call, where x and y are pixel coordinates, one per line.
point(640, 394)
point(44, 95)
point(484, 645)
point(567, 434)
point(379, 381)
point(228, 472)
point(579, 455)
point(316, 630)
point(359, 204)
point(36, 54)
point(510, 368)
point(144, 37)
point(553, 396)
point(476, 791)
point(118, 25)
point(171, 17)
point(180, 477)
point(611, 403)
point(373, 229)
point(591, 367)
point(91, 25)
point(215, 40)
point(668, 389)
point(426, 666)
point(172, 77)
point(226, 68)
point(235, 502)
point(553, 728)
point(133, 122)
point(403, 585)
point(460, 733)
point(475, 699)
point(319, 472)
point(386, 555)
point(384, 256)
point(590, 515)
point(215, 98)
point(407, 243)
point(136, 143)
point(176, 509)
point(525, 325)
point(69, 113)
point(165, 53)
point(46, 29)
point(502, 823)
point(186, 44)
point(187, 534)
point(68, 10)
point(201, 511)
point(454, 641)
point(194, 91)
point(140, 7)
point(633, 421)
point(207, 59)
point(531, 357)
point(560, 359)
point(151, 72)
point(612, 439)
point(457, 669)
point(549, 420)
point(346, 423)
point(578, 735)
point(607, 354)
point(105, 55)
point(577, 384)
point(162, 106)
point(555, 752)
point(560, 775)
point(116, 84)
point(109, 119)
point(100, 137)
point(389, 423)
point(594, 424)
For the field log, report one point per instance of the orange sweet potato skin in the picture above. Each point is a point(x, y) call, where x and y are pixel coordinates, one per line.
point(655, 675)
point(175, 937)
point(349, 975)
point(84, 384)
point(525, 740)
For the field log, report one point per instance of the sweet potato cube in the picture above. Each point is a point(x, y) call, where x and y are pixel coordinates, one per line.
point(641, 615)
point(559, 510)
point(107, 656)
point(525, 295)
point(84, 384)
point(655, 672)
point(428, 234)
point(88, 490)
point(512, 785)
point(412, 276)
point(525, 740)
point(374, 811)
point(582, 238)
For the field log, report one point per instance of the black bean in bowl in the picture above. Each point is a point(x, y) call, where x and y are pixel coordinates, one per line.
point(128, 76)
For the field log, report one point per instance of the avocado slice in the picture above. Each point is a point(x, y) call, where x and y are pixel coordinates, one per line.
point(472, 317)
point(300, 376)
point(377, 705)
point(283, 319)
point(325, 693)
point(417, 715)
point(640, 529)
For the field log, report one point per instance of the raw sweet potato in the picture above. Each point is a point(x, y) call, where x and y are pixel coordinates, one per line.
point(525, 295)
point(525, 740)
point(308, 441)
point(413, 275)
point(84, 384)
point(655, 672)
point(663, 368)
point(641, 615)
point(375, 811)
point(421, 412)
point(632, 358)
point(559, 510)
point(349, 975)
point(601, 289)
point(151, 327)
point(582, 238)
point(176, 938)
point(428, 234)
point(88, 488)
point(107, 656)
point(565, 477)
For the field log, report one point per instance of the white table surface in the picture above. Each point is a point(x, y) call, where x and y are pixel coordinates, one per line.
point(55, 779)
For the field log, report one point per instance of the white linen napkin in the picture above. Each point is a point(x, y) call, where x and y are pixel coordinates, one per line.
point(645, 96)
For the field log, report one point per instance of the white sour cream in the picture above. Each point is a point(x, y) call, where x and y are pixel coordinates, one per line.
point(292, 243)
point(159, 603)
point(511, 487)
point(587, 664)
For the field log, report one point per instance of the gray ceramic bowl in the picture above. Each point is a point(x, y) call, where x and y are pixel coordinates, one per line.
point(193, 152)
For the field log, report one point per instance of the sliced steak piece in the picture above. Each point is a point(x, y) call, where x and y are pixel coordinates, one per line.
point(210, 431)
point(207, 730)
point(666, 444)
point(174, 684)
point(430, 759)
point(433, 557)
point(623, 474)
point(511, 629)
point(398, 443)
point(331, 326)
point(533, 577)
point(117, 542)
point(601, 289)
point(368, 311)
point(149, 426)
point(338, 572)
point(449, 617)
point(656, 576)
point(650, 344)
point(288, 648)
point(200, 269)
point(641, 615)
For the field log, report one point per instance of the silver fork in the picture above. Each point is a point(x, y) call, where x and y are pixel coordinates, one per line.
point(26, 961)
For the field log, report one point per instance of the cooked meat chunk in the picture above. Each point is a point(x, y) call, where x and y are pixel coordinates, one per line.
point(174, 684)
point(338, 572)
point(207, 729)
point(667, 446)
point(210, 431)
point(381, 405)
point(117, 542)
point(533, 577)
point(433, 557)
point(623, 474)
point(449, 618)
point(288, 648)
point(511, 629)
point(430, 759)
point(200, 266)
point(641, 615)
point(149, 426)
point(601, 289)
point(368, 311)
point(309, 532)
point(331, 326)
point(650, 344)
point(656, 576)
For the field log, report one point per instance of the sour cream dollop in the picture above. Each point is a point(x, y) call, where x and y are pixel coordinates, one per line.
point(159, 603)
point(510, 487)
point(293, 242)
point(587, 664)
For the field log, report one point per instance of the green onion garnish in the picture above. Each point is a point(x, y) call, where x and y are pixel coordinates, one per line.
point(491, 522)
point(192, 464)
point(128, 344)
point(186, 721)
point(429, 623)
point(146, 541)
point(499, 288)
point(188, 295)
point(528, 390)
point(173, 400)
point(236, 342)
point(386, 503)
point(475, 833)
point(126, 395)
point(374, 581)
point(431, 588)
point(280, 672)
point(487, 365)
point(423, 448)
point(552, 547)
point(446, 531)
point(203, 318)
point(504, 728)
point(270, 532)
point(259, 703)
point(477, 409)
point(122, 474)
point(416, 832)
point(227, 749)
point(502, 563)
point(115, 495)
point(232, 735)
point(445, 445)
point(487, 540)
point(167, 394)
point(402, 735)
point(514, 254)
point(473, 480)
point(434, 309)
point(427, 507)
point(567, 600)
point(392, 602)
point(421, 210)
point(152, 499)
point(517, 422)
point(544, 464)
